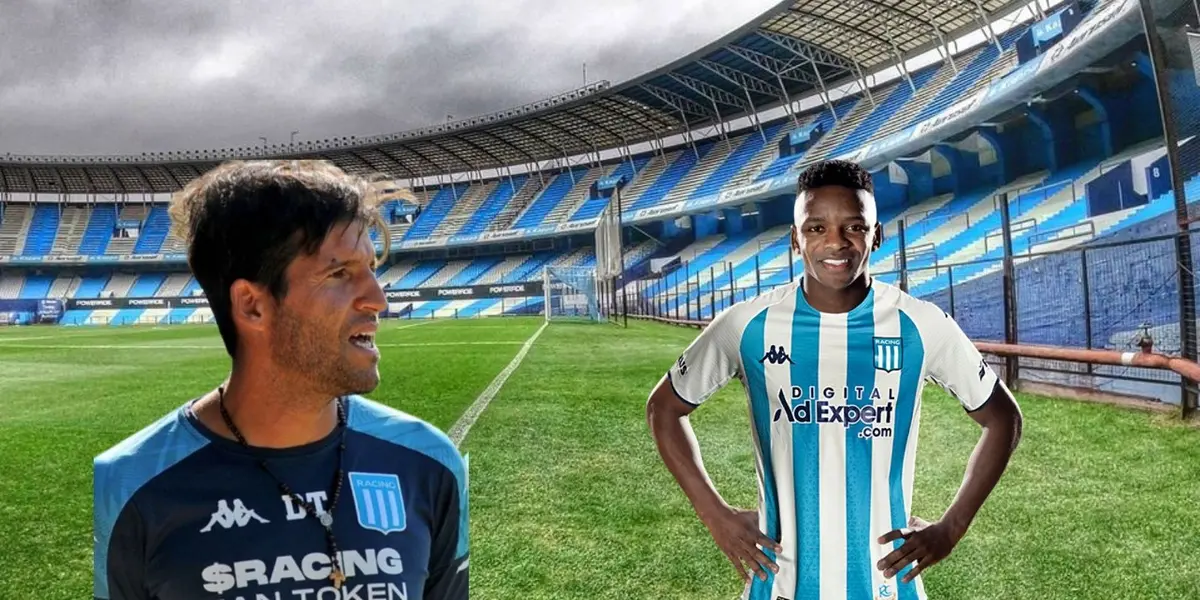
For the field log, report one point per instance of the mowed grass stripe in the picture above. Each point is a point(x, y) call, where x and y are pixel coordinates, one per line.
point(63, 407)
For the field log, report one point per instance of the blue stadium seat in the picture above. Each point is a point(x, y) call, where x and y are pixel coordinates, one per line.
point(154, 231)
point(437, 209)
point(550, 197)
point(592, 207)
point(493, 204)
point(101, 222)
point(42, 230)
point(966, 76)
point(733, 164)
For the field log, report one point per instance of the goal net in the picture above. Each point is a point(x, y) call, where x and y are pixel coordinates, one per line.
point(570, 294)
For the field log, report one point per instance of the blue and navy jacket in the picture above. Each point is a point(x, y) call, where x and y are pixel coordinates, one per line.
point(184, 514)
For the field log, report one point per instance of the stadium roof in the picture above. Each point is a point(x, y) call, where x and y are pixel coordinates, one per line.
point(794, 49)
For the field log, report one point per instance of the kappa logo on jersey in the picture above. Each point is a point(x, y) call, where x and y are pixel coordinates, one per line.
point(888, 354)
point(682, 366)
point(379, 502)
point(776, 356)
point(238, 516)
point(982, 368)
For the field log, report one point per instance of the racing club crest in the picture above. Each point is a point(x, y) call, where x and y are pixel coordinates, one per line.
point(888, 354)
point(378, 501)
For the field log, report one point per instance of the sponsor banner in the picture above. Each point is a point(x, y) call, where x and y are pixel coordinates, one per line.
point(1099, 21)
point(192, 301)
point(467, 292)
point(956, 111)
point(743, 192)
point(609, 182)
point(540, 230)
point(656, 211)
point(577, 225)
point(175, 257)
point(696, 204)
point(1048, 29)
point(499, 236)
point(128, 224)
point(24, 260)
point(426, 243)
point(463, 239)
point(118, 303)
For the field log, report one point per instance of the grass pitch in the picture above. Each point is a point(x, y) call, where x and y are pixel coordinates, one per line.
point(569, 499)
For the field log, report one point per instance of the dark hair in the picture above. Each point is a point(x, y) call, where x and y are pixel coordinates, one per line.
point(836, 172)
point(250, 220)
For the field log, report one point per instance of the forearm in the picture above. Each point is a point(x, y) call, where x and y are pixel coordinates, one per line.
point(680, 451)
point(984, 469)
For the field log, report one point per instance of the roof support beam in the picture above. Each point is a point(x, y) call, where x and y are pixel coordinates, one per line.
point(711, 92)
point(800, 49)
point(408, 168)
point(470, 166)
point(438, 169)
point(598, 125)
point(813, 53)
point(484, 151)
point(488, 132)
point(680, 103)
point(583, 142)
point(632, 114)
point(400, 169)
point(987, 26)
point(776, 67)
point(740, 78)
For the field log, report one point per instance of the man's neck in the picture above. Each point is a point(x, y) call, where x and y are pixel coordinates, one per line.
point(268, 413)
point(828, 300)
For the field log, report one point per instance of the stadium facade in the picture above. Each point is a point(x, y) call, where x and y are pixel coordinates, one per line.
point(986, 124)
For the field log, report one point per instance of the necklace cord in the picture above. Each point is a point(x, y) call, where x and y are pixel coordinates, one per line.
point(324, 518)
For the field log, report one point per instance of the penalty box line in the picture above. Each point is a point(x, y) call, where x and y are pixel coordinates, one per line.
point(459, 430)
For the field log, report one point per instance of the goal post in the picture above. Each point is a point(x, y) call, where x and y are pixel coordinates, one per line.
point(570, 294)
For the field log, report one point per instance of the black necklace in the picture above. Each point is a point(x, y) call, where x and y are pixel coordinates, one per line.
point(324, 518)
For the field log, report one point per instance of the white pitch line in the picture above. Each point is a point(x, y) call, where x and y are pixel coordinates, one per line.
point(460, 428)
point(220, 347)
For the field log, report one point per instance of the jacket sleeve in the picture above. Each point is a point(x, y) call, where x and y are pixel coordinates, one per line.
point(118, 548)
point(449, 555)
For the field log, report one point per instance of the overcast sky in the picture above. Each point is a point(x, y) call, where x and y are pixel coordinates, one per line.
point(132, 76)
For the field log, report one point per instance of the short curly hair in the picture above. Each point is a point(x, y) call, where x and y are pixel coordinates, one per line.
point(251, 219)
point(835, 172)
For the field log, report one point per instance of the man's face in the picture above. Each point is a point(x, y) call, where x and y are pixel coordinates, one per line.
point(324, 329)
point(836, 236)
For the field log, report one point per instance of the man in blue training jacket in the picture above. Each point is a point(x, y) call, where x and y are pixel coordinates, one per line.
point(284, 482)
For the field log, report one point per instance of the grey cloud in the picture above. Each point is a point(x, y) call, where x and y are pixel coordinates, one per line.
point(131, 76)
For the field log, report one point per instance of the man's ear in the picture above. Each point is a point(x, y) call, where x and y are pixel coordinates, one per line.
point(878, 237)
point(795, 240)
point(251, 305)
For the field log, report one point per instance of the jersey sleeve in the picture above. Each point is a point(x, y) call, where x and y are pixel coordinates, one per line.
point(450, 552)
point(710, 361)
point(957, 366)
point(118, 538)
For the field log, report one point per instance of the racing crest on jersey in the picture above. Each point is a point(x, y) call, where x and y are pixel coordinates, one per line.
point(888, 355)
point(378, 501)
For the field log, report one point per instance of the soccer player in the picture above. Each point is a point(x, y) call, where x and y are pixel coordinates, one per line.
point(833, 365)
point(283, 481)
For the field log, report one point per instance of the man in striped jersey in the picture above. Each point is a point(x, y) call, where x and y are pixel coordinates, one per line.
point(834, 365)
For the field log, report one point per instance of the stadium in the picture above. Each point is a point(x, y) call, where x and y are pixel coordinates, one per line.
point(1026, 182)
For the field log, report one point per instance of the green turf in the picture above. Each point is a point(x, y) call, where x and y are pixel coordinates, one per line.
point(569, 499)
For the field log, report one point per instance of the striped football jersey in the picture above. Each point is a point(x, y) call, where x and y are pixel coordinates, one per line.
point(835, 403)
